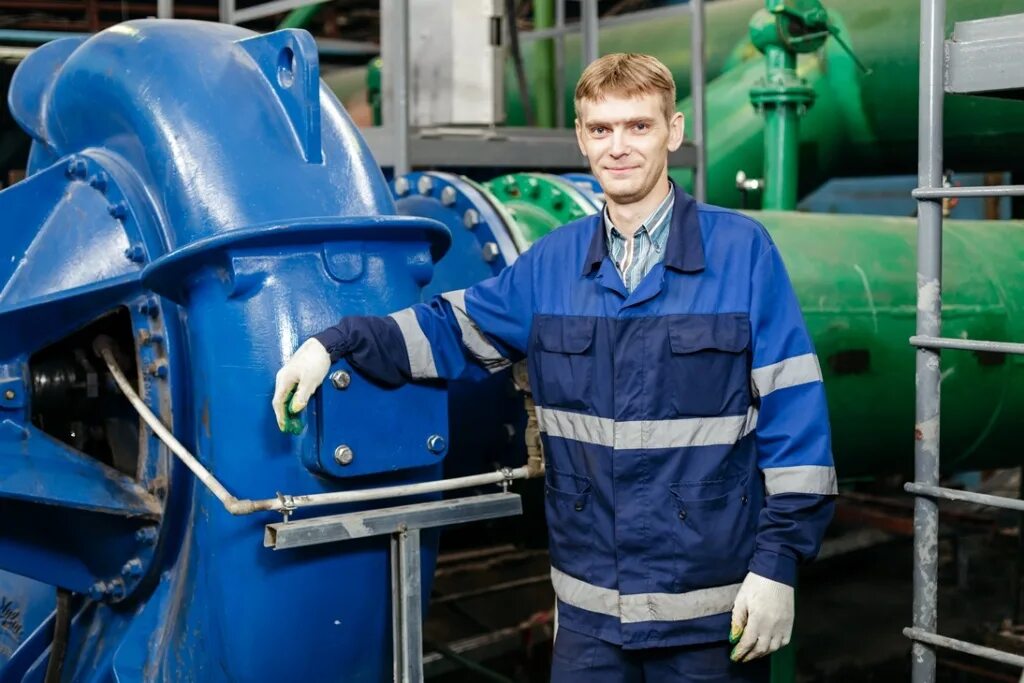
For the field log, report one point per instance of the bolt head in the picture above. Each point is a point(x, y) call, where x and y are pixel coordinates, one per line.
point(9, 394)
point(77, 168)
point(401, 186)
point(448, 196)
point(343, 455)
point(471, 218)
point(132, 568)
point(99, 181)
point(135, 253)
point(117, 589)
point(146, 534)
point(97, 590)
point(436, 443)
point(118, 210)
point(340, 379)
point(425, 184)
point(491, 252)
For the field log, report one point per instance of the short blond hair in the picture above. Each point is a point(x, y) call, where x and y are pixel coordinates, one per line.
point(627, 74)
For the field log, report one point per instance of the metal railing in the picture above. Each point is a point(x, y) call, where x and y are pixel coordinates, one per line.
point(928, 341)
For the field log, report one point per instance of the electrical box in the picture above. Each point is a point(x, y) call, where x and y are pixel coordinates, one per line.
point(456, 63)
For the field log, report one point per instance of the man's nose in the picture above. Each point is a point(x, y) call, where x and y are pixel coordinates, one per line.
point(620, 145)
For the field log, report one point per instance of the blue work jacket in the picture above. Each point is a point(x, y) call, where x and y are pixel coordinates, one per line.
point(684, 424)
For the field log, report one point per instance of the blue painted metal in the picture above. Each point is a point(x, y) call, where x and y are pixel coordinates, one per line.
point(587, 183)
point(217, 204)
point(486, 414)
point(24, 605)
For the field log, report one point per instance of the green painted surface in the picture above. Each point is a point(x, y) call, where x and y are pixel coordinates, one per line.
point(855, 278)
point(300, 16)
point(542, 75)
point(539, 203)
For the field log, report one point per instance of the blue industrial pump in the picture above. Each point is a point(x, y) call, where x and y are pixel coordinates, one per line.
point(197, 203)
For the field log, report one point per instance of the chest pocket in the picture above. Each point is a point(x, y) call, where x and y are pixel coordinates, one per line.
point(564, 359)
point(708, 364)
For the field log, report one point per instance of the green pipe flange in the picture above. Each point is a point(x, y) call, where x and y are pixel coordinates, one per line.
point(540, 202)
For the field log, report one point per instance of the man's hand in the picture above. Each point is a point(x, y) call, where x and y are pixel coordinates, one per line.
point(763, 616)
point(297, 380)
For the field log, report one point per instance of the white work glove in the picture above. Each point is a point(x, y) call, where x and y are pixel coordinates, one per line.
point(304, 372)
point(763, 616)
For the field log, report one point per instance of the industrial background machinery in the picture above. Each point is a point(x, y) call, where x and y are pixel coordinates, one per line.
point(197, 199)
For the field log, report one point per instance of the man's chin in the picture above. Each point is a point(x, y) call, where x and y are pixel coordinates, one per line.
point(623, 193)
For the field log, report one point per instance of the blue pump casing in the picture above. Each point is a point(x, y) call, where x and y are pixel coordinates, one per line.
point(197, 194)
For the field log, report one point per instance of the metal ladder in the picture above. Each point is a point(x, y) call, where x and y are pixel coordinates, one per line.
point(982, 57)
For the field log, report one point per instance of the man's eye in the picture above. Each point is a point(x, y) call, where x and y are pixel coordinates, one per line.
point(641, 126)
point(598, 130)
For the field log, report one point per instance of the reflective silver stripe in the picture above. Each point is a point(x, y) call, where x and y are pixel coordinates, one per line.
point(576, 426)
point(627, 435)
point(472, 337)
point(816, 479)
point(641, 607)
point(421, 357)
point(583, 595)
point(678, 606)
point(685, 432)
point(787, 373)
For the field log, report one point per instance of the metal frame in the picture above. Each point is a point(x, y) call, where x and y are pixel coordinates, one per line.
point(928, 341)
point(395, 145)
point(403, 525)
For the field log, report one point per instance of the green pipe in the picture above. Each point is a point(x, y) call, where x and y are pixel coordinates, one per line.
point(300, 16)
point(542, 73)
point(538, 203)
point(781, 139)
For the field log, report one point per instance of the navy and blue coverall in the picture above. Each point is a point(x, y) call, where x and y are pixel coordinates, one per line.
point(684, 424)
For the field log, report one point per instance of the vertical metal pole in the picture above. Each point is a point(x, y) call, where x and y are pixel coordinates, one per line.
point(560, 119)
point(697, 90)
point(589, 26)
point(227, 11)
point(406, 607)
point(165, 9)
point(394, 54)
point(929, 322)
point(543, 72)
point(400, 87)
point(397, 650)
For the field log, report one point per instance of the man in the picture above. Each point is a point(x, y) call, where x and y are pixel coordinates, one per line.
point(688, 461)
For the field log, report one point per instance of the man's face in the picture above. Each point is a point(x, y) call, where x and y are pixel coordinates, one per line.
point(627, 141)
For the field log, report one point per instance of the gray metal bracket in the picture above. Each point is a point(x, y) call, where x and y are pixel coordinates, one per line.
point(984, 57)
point(402, 524)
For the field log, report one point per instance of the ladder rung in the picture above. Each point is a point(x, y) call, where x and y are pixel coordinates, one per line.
point(982, 191)
point(966, 344)
point(990, 653)
point(964, 496)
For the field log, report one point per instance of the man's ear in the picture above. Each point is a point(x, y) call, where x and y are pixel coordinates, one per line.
point(579, 137)
point(676, 131)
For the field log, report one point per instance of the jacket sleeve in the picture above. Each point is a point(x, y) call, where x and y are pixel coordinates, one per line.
point(460, 334)
point(793, 440)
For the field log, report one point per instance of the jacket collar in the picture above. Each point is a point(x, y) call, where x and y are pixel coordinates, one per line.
point(684, 250)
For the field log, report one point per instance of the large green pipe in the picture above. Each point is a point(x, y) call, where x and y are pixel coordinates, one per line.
point(855, 278)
